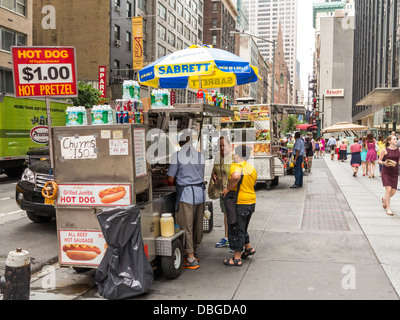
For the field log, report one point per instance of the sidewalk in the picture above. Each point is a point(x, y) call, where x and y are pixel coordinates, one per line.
point(328, 240)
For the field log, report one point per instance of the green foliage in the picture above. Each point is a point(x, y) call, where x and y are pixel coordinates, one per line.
point(87, 96)
point(291, 123)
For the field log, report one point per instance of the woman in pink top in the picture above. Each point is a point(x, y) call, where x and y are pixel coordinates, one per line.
point(355, 162)
point(322, 146)
point(371, 154)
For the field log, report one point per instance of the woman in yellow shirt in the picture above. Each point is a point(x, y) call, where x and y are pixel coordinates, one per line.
point(237, 233)
point(382, 145)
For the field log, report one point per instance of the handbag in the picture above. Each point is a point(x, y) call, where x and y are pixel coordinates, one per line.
point(214, 189)
point(230, 202)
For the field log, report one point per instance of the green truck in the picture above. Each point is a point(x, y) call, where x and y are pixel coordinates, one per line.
point(23, 126)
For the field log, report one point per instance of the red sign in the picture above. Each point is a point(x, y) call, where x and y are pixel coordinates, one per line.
point(44, 72)
point(102, 81)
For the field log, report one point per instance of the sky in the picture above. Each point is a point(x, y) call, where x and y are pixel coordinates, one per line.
point(305, 42)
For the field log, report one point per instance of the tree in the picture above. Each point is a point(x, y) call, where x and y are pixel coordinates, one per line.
point(87, 96)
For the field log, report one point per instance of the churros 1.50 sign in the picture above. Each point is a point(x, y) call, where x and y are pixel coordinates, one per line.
point(44, 72)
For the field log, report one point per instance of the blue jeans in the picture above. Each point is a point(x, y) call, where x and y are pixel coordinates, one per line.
point(298, 172)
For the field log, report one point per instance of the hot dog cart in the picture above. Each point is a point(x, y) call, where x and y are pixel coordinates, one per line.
point(256, 125)
point(104, 166)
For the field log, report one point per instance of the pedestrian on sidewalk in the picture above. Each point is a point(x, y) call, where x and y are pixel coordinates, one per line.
point(331, 146)
point(219, 181)
point(343, 151)
point(364, 152)
point(188, 167)
point(322, 141)
point(239, 239)
point(299, 152)
point(317, 148)
point(355, 162)
point(309, 153)
point(390, 171)
point(381, 145)
point(337, 148)
point(371, 154)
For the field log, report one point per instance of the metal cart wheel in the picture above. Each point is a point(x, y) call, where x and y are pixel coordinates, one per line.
point(172, 266)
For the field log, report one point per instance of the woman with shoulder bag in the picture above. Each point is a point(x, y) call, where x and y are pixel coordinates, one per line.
point(242, 180)
point(219, 180)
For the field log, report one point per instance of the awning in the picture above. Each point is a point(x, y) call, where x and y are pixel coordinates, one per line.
point(307, 127)
point(292, 108)
point(344, 126)
point(384, 97)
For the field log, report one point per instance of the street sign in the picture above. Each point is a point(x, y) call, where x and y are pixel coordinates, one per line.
point(44, 72)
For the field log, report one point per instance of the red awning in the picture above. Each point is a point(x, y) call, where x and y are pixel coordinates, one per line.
point(307, 127)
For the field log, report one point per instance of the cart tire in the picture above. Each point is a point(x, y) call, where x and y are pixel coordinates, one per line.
point(172, 266)
point(268, 184)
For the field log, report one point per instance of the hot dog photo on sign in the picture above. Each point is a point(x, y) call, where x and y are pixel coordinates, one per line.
point(112, 195)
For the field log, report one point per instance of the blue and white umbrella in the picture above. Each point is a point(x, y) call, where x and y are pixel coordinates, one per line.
point(199, 68)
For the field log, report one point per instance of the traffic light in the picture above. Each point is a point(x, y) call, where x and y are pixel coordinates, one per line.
point(315, 103)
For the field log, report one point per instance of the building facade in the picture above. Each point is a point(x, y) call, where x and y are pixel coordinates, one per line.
point(218, 24)
point(376, 64)
point(168, 26)
point(265, 17)
point(15, 30)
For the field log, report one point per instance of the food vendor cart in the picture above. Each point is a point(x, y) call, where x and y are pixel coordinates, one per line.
point(256, 125)
point(103, 166)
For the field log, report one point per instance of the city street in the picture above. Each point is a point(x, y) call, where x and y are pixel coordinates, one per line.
point(16, 230)
point(328, 240)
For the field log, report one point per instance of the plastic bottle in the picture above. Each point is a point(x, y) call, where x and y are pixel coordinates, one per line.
point(167, 225)
point(110, 115)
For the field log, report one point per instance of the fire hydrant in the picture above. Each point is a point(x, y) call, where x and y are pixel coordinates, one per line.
point(16, 282)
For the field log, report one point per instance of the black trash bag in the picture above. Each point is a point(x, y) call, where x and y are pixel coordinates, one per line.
point(125, 271)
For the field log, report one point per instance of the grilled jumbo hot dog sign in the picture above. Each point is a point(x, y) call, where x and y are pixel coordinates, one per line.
point(104, 195)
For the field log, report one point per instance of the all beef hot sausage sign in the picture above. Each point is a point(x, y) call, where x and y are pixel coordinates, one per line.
point(44, 72)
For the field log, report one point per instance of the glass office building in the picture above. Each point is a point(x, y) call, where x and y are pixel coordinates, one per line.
point(376, 92)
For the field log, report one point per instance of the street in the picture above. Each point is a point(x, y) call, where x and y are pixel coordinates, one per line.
point(16, 230)
point(328, 240)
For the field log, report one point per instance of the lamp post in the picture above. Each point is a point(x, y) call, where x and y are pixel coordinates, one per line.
point(273, 61)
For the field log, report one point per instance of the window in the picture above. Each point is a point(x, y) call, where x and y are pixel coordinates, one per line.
point(171, 39)
point(10, 38)
point(128, 41)
point(6, 81)
point(18, 6)
point(161, 32)
point(117, 32)
point(161, 51)
point(129, 10)
point(162, 12)
point(116, 67)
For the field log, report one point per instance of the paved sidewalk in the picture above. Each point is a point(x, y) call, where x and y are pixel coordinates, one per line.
point(364, 198)
point(329, 240)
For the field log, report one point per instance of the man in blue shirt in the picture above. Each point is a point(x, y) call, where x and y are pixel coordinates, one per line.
point(298, 151)
point(188, 166)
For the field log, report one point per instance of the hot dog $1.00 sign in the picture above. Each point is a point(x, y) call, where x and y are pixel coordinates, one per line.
point(94, 195)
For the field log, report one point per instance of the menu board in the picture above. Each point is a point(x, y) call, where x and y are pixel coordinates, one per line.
point(139, 138)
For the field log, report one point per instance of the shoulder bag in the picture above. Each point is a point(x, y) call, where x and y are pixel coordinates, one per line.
point(230, 202)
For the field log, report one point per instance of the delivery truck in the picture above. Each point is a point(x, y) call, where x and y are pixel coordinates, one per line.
point(23, 126)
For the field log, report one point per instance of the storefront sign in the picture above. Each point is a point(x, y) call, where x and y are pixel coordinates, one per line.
point(103, 81)
point(137, 37)
point(334, 93)
point(81, 247)
point(44, 72)
point(94, 195)
point(78, 147)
